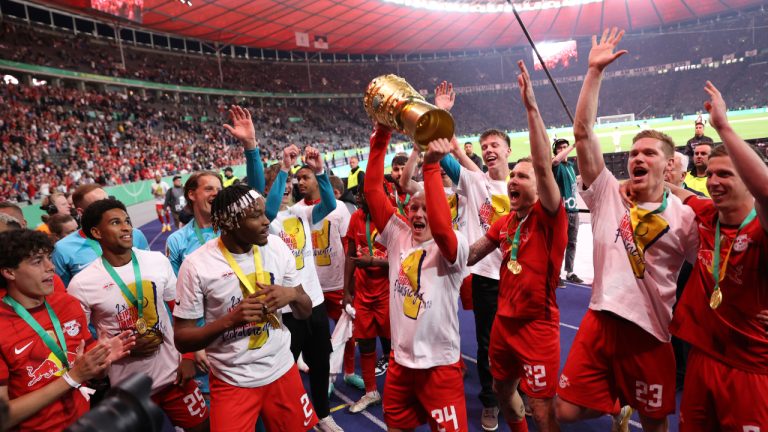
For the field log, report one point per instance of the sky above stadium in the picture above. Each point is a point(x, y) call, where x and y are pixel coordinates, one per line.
point(406, 26)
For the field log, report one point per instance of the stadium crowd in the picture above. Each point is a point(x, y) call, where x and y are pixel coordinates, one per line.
point(55, 138)
point(29, 43)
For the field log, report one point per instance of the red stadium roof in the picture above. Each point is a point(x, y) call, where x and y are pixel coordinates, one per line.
point(376, 27)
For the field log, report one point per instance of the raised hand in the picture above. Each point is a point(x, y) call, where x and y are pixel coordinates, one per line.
point(715, 107)
point(437, 150)
point(290, 154)
point(526, 88)
point(601, 54)
point(444, 96)
point(242, 126)
point(313, 159)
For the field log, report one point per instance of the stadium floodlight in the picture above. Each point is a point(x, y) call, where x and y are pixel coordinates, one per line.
point(489, 6)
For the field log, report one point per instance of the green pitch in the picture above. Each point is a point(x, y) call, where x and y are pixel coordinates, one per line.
point(748, 126)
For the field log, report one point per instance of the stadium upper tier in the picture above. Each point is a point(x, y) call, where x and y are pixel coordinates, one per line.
point(35, 44)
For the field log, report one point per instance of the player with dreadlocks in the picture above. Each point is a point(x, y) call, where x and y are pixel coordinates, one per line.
point(239, 282)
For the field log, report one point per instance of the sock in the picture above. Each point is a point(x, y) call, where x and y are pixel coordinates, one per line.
point(368, 368)
point(518, 426)
point(349, 357)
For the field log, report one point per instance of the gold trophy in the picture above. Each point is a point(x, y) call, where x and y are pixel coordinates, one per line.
point(391, 101)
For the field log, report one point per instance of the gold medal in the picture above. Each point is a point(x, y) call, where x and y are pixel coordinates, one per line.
point(141, 326)
point(716, 299)
point(514, 266)
point(273, 321)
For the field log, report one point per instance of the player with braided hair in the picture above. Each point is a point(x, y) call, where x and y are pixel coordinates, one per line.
point(239, 282)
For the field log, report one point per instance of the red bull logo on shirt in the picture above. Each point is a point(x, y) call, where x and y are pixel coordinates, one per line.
point(49, 368)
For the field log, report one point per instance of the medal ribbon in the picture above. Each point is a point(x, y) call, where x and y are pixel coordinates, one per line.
point(59, 351)
point(139, 303)
point(92, 243)
point(239, 272)
point(515, 244)
point(199, 233)
point(260, 277)
point(401, 204)
point(368, 235)
point(716, 274)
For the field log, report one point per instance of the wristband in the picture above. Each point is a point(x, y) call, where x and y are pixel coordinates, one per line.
point(188, 356)
point(69, 380)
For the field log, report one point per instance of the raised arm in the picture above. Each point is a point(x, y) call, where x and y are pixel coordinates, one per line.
point(314, 160)
point(275, 197)
point(438, 212)
point(406, 184)
point(588, 148)
point(242, 129)
point(462, 157)
point(374, 192)
point(452, 168)
point(748, 164)
point(549, 193)
point(563, 155)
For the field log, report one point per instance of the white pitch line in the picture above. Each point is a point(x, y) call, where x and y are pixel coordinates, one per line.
point(367, 415)
point(154, 239)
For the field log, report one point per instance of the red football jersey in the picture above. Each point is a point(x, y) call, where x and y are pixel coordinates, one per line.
point(731, 333)
point(27, 364)
point(372, 283)
point(543, 238)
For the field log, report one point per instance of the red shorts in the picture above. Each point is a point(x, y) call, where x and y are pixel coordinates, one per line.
point(612, 358)
point(185, 406)
point(372, 319)
point(465, 293)
point(283, 405)
point(526, 349)
point(160, 207)
point(333, 300)
point(717, 397)
point(413, 397)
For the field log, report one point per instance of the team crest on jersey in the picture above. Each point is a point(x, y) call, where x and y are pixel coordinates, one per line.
point(72, 328)
point(741, 243)
point(564, 381)
point(493, 209)
point(294, 236)
point(408, 283)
